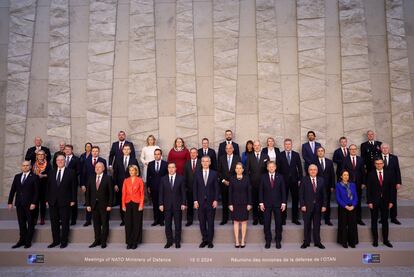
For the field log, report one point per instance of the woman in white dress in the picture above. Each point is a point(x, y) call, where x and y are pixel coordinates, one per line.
point(147, 154)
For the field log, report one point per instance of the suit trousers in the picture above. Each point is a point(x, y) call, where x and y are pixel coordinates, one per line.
point(381, 207)
point(170, 215)
point(206, 215)
point(257, 213)
point(158, 215)
point(277, 213)
point(25, 218)
point(225, 201)
point(100, 218)
point(393, 210)
point(312, 222)
point(293, 188)
point(190, 206)
point(59, 216)
point(133, 224)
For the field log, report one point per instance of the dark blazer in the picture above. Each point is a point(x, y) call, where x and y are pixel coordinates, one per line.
point(212, 154)
point(172, 198)
point(75, 165)
point(119, 172)
point(240, 192)
point(31, 154)
point(89, 169)
point(115, 152)
point(375, 191)
point(26, 193)
point(256, 169)
point(369, 153)
point(66, 192)
point(277, 151)
point(393, 167)
point(154, 178)
point(223, 168)
point(308, 156)
point(309, 198)
point(338, 158)
point(105, 194)
point(189, 174)
point(209, 192)
point(272, 197)
point(222, 149)
point(328, 174)
point(356, 176)
point(292, 173)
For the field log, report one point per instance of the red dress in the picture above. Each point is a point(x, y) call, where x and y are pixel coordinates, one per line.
point(179, 157)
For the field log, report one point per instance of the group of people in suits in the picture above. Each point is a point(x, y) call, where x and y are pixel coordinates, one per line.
point(258, 180)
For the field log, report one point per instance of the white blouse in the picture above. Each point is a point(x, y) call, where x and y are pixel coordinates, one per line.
point(272, 154)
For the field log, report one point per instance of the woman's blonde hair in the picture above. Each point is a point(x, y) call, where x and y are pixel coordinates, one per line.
point(148, 138)
point(134, 167)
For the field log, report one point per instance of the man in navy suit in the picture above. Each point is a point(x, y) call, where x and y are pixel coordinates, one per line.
point(292, 172)
point(229, 140)
point(25, 188)
point(309, 150)
point(339, 156)
point(313, 200)
point(120, 173)
point(116, 149)
point(272, 200)
point(60, 195)
point(205, 150)
point(190, 168)
point(172, 200)
point(31, 152)
point(206, 193)
point(226, 167)
point(392, 164)
point(73, 162)
point(370, 151)
point(355, 166)
point(156, 170)
point(89, 170)
point(327, 172)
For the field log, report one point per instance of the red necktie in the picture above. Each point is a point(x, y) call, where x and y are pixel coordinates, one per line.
point(380, 178)
point(120, 146)
point(344, 152)
point(272, 181)
point(94, 161)
point(193, 165)
point(353, 163)
point(313, 184)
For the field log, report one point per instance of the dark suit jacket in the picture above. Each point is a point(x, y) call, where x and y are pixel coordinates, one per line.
point(375, 191)
point(272, 197)
point(256, 169)
point(209, 192)
point(115, 152)
point(172, 198)
point(356, 176)
point(212, 154)
point(277, 151)
point(328, 174)
point(66, 192)
point(240, 192)
point(154, 178)
point(31, 155)
point(105, 194)
point(75, 165)
point(292, 173)
point(26, 193)
point(89, 169)
point(222, 149)
point(338, 158)
point(308, 156)
point(369, 153)
point(223, 168)
point(119, 172)
point(393, 167)
point(189, 174)
point(309, 198)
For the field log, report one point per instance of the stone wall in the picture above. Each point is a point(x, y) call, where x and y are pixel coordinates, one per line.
point(81, 70)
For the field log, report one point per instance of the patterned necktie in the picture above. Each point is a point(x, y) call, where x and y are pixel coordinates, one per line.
point(344, 151)
point(380, 178)
point(58, 178)
point(314, 184)
point(98, 182)
point(94, 162)
point(272, 181)
point(193, 167)
point(121, 144)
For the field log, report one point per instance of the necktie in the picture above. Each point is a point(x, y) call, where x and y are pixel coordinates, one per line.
point(67, 161)
point(98, 182)
point(380, 178)
point(157, 167)
point(313, 147)
point(344, 150)
point(272, 181)
point(58, 178)
point(193, 168)
point(205, 178)
point(385, 161)
point(257, 157)
point(353, 163)
point(125, 162)
point(121, 144)
point(288, 157)
point(229, 162)
point(323, 165)
point(94, 162)
point(314, 184)
point(205, 152)
point(172, 182)
point(24, 178)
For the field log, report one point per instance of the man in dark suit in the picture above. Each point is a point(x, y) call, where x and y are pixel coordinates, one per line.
point(73, 162)
point(25, 188)
point(379, 199)
point(313, 201)
point(31, 152)
point(272, 200)
point(190, 168)
point(255, 168)
point(99, 200)
point(339, 156)
point(229, 140)
point(205, 150)
point(392, 165)
point(327, 172)
point(206, 194)
point(120, 173)
point(355, 166)
point(226, 167)
point(172, 200)
point(116, 149)
point(370, 150)
point(156, 170)
point(309, 150)
point(60, 195)
point(61, 151)
point(88, 171)
point(291, 170)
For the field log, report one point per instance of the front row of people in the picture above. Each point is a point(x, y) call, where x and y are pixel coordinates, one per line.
point(173, 193)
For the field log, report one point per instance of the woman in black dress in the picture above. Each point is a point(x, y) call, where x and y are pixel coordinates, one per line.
point(240, 203)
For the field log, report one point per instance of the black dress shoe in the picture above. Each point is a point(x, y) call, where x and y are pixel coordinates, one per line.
point(103, 245)
point(168, 245)
point(189, 223)
point(94, 244)
point(344, 245)
point(122, 224)
point(388, 244)
point(360, 222)
point(255, 222)
point(395, 221)
point(304, 245)
point(73, 223)
point(86, 224)
point(278, 245)
point(267, 245)
point(53, 244)
point(283, 222)
point(296, 222)
point(375, 244)
point(63, 245)
point(154, 223)
point(17, 245)
point(320, 246)
point(224, 222)
point(210, 245)
point(203, 244)
point(261, 221)
point(134, 246)
point(27, 245)
point(236, 246)
point(128, 246)
point(162, 224)
point(352, 245)
point(177, 245)
point(329, 223)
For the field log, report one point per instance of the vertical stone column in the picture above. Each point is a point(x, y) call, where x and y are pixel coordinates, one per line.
point(312, 69)
point(101, 48)
point(21, 32)
point(58, 121)
point(356, 84)
point(401, 93)
point(186, 95)
point(226, 33)
point(142, 91)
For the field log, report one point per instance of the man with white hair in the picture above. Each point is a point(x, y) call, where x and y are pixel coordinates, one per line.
point(31, 152)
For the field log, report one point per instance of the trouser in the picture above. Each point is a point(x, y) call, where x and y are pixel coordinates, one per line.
point(41, 206)
point(277, 213)
point(133, 224)
point(293, 187)
point(225, 201)
point(88, 215)
point(190, 206)
point(59, 216)
point(171, 215)
point(358, 206)
point(158, 215)
point(25, 218)
point(206, 216)
point(393, 210)
point(347, 226)
point(100, 218)
point(257, 213)
point(327, 213)
point(312, 222)
point(381, 207)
